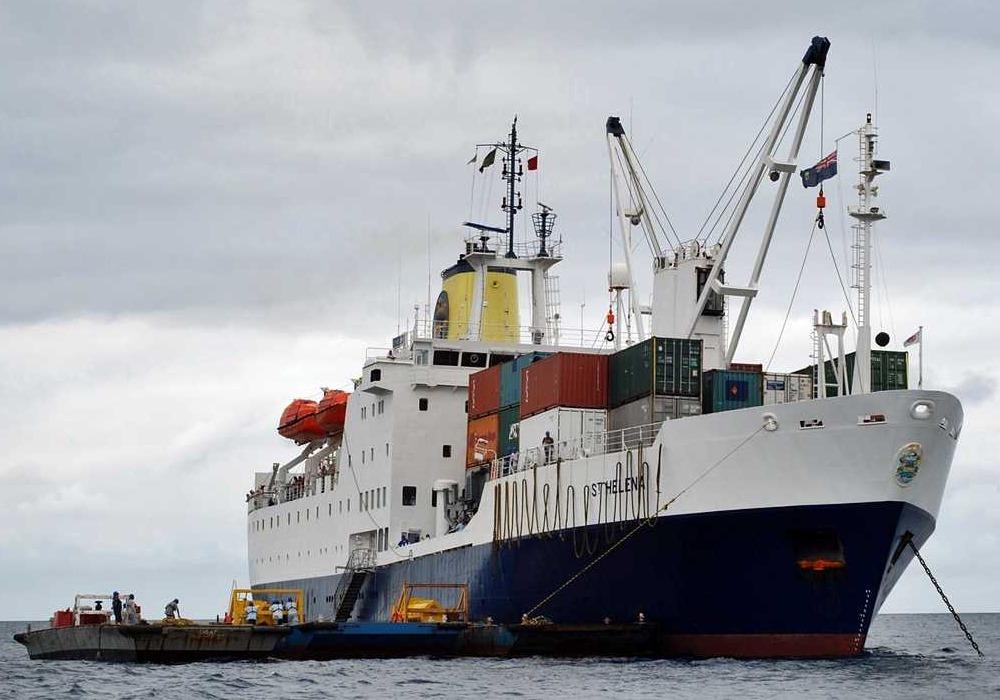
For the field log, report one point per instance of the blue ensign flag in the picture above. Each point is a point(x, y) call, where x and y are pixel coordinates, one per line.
point(823, 170)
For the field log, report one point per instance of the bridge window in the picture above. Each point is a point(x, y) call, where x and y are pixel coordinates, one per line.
point(446, 451)
point(375, 375)
point(422, 404)
point(409, 495)
point(448, 358)
point(473, 359)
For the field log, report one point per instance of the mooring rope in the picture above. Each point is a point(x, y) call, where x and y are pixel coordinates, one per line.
point(627, 535)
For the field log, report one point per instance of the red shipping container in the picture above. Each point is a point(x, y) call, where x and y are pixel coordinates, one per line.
point(484, 392)
point(483, 439)
point(62, 618)
point(570, 380)
point(93, 618)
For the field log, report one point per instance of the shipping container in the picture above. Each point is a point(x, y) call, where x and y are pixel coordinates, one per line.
point(746, 367)
point(510, 418)
point(484, 391)
point(889, 371)
point(482, 440)
point(571, 380)
point(661, 366)
point(786, 388)
point(574, 433)
point(510, 377)
point(726, 390)
point(651, 410)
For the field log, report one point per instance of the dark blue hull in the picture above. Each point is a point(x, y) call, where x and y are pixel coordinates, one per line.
point(793, 581)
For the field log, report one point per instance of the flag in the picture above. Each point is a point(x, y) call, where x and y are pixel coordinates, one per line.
point(737, 390)
point(488, 160)
point(533, 163)
point(913, 339)
point(472, 159)
point(823, 170)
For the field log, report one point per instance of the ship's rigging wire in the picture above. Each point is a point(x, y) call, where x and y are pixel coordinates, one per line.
point(749, 150)
point(791, 301)
point(746, 182)
point(840, 279)
point(612, 547)
point(652, 190)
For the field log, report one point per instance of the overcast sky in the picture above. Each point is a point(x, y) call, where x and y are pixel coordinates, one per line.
point(206, 209)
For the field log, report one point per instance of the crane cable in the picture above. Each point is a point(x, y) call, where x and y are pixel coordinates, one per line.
point(749, 150)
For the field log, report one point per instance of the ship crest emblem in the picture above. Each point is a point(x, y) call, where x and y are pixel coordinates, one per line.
point(908, 463)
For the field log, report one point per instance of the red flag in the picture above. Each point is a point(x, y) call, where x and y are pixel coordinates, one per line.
point(533, 163)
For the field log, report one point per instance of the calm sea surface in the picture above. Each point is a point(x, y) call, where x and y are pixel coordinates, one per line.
point(911, 656)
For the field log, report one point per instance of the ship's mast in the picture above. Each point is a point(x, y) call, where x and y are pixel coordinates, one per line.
point(866, 212)
point(513, 171)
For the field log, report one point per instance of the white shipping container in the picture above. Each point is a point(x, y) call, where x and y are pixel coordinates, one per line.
point(786, 388)
point(573, 432)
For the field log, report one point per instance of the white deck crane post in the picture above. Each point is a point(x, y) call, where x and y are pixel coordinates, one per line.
point(616, 138)
point(780, 171)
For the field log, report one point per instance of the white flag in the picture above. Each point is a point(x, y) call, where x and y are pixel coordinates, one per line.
point(913, 339)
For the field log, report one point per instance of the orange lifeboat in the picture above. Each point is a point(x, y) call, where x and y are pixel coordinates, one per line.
point(332, 411)
point(298, 422)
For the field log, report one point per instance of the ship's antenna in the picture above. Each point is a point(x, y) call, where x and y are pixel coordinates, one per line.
point(512, 173)
point(427, 307)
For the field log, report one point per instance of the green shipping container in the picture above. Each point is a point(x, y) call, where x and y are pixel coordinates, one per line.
point(510, 419)
point(727, 390)
point(889, 370)
point(658, 366)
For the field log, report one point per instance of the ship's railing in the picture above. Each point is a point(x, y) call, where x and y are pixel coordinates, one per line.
point(523, 249)
point(587, 445)
point(514, 335)
point(298, 486)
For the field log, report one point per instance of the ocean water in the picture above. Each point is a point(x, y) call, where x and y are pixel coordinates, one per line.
point(908, 656)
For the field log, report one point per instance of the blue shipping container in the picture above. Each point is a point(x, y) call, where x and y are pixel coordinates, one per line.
point(726, 390)
point(510, 377)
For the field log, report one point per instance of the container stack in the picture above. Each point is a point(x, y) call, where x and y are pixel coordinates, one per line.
point(655, 380)
point(889, 371)
point(483, 442)
point(494, 410)
point(566, 396)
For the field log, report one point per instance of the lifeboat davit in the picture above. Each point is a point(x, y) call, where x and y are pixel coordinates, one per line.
point(332, 411)
point(298, 422)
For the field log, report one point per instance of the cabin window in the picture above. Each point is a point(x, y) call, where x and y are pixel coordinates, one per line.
point(499, 359)
point(434, 498)
point(298, 516)
point(381, 406)
point(473, 359)
point(362, 456)
point(409, 495)
point(329, 508)
point(307, 515)
point(289, 518)
point(375, 375)
point(372, 454)
point(363, 411)
point(446, 451)
point(340, 506)
point(422, 404)
point(447, 358)
point(387, 449)
point(383, 503)
point(366, 500)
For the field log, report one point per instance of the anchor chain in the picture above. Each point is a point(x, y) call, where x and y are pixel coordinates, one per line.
point(951, 609)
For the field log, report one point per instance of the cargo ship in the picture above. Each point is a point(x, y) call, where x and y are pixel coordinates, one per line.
point(637, 473)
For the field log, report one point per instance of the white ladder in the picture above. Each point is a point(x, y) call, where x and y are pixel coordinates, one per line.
point(552, 315)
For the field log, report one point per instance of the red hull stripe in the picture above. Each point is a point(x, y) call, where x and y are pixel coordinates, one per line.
point(762, 646)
